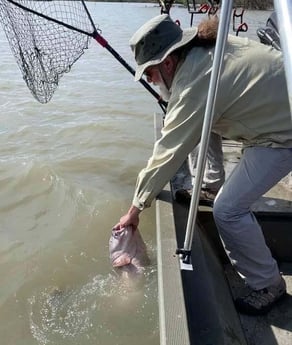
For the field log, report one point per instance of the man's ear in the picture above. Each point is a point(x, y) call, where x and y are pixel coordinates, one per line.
point(169, 65)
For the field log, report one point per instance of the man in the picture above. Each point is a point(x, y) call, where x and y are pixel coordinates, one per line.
point(248, 110)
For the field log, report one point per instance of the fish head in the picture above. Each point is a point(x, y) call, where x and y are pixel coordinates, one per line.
point(120, 247)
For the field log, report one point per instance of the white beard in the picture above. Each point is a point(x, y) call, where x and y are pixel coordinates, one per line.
point(164, 91)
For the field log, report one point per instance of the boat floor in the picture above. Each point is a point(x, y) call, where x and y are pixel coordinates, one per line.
point(274, 212)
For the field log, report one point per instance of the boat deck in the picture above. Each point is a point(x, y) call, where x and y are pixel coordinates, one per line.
point(196, 306)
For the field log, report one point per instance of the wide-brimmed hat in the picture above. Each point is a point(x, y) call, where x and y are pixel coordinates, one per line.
point(156, 39)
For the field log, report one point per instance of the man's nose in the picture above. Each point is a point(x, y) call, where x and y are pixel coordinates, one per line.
point(149, 79)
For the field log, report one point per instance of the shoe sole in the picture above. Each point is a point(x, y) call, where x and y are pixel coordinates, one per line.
point(259, 312)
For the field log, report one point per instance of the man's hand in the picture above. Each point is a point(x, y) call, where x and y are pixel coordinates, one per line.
point(131, 218)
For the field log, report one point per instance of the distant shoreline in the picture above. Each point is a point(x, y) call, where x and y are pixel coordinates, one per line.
point(267, 5)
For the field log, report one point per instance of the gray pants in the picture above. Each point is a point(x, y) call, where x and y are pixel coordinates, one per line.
point(258, 171)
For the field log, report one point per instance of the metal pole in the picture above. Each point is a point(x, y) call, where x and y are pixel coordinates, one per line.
point(223, 30)
point(284, 19)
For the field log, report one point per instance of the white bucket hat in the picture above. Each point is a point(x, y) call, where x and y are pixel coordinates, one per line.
point(156, 39)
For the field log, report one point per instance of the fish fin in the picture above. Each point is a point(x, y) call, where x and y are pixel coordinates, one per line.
point(121, 261)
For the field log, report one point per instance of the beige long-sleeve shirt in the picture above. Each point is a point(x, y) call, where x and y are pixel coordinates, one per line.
point(252, 107)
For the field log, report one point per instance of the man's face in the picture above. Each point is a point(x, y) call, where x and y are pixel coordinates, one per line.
point(154, 74)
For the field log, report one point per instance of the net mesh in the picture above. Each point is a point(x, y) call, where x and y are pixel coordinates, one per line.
point(45, 50)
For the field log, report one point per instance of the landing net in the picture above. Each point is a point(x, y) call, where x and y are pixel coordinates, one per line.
point(44, 49)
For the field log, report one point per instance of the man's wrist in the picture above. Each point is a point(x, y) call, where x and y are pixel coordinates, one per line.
point(134, 210)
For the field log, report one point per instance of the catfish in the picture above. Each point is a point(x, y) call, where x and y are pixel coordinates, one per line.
point(128, 251)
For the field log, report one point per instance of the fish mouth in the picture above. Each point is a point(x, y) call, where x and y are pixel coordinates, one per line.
point(117, 232)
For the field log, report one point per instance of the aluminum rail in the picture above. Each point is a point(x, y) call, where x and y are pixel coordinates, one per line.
point(223, 30)
point(284, 18)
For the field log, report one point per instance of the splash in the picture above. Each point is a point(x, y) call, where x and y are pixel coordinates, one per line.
point(96, 310)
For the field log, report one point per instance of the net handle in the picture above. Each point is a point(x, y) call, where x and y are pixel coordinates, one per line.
point(106, 45)
point(103, 42)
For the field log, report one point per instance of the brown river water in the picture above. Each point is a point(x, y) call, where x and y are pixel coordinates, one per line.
point(67, 173)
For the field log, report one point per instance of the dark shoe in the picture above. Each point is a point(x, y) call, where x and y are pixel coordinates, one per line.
point(183, 196)
point(207, 196)
point(260, 302)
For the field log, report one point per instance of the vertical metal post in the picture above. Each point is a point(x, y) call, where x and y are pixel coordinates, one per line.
point(223, 29)
point(284, 19)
